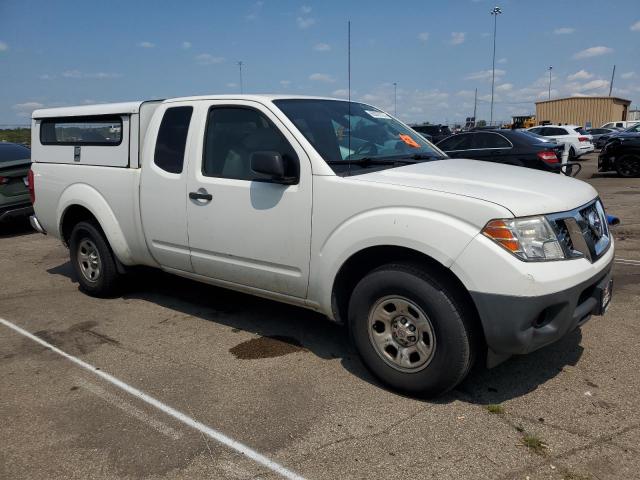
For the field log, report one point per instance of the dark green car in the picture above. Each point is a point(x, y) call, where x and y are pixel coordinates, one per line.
point(15, 161)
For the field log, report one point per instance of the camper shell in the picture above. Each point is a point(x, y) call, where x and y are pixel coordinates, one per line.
point(79, 135)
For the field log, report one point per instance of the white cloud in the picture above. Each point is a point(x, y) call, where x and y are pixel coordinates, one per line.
point(564, 30)
point(484, 74)
point(256, 8)
point(322, 47)
point(305, 20)
point(592, 52)
point(580, 75)
point(208, 59)
point(628, 75)
point(186, 45)
point(3, 47)
point(146, 44)
point(504, 87)
point(25, 109)
point(635, 27)
point(232, 85)
point(46, 76)
point(594, 85)
point(321, 77)
point(457, 38)
point(94, 75)
point(502, 60)
point(423, 36)
point(341, 92)
point(285, 83)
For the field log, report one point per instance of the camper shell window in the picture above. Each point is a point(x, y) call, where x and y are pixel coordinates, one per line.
point(103, 130)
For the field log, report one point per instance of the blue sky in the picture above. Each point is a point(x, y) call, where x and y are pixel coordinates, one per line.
point(56, 53)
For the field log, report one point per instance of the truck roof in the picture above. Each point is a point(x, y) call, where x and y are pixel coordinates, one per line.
point(134, 107)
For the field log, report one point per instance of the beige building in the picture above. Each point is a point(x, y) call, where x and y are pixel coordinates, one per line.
point(582, 110)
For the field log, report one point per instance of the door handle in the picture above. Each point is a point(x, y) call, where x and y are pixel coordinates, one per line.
point(200, 196)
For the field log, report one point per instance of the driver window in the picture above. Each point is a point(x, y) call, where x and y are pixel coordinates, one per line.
point(233, 134)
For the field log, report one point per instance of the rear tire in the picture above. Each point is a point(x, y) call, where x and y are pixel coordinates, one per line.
point(628, 166)
point(93, 261)
point(412, 329)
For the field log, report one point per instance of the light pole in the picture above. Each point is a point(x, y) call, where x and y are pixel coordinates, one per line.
point(550, 68)
point(395, 99)
point(495, 12)
point(240, 71)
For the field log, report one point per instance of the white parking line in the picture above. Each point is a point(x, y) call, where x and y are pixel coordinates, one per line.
point(130, 409)
point(201, 427)
point(625, 261)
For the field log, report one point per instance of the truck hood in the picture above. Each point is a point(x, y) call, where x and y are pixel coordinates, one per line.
point(523, 191)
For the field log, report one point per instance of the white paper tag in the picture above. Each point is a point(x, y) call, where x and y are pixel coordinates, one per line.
point(376, 114)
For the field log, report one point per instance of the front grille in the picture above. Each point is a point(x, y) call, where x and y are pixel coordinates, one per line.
point(582, 232)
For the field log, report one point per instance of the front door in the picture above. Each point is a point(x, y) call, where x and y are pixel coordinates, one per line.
point(243, 230)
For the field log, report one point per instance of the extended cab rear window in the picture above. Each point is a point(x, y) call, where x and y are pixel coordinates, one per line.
point(103, 130)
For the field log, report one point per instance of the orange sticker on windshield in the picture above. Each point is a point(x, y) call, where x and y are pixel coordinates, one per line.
point(409, 141)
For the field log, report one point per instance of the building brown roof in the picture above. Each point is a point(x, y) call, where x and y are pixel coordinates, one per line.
point(623, 100)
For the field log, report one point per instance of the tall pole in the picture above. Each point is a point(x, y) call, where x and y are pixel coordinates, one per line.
point(550, 68)
point(240, 71)
point(495, 12)
point(475, 106)
point(395, 99)
point(349, 60)
point(613, 74)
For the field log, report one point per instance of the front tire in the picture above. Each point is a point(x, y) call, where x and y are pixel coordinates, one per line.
point(412, 329)
point(93, 261)
point(628, 166)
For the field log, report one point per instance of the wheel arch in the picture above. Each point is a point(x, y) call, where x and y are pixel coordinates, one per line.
point(370, 258)
point(81, 202)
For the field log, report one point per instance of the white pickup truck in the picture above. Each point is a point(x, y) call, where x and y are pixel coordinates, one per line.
point(334, 206)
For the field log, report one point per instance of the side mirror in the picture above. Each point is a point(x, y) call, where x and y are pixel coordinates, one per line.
point(270, 166)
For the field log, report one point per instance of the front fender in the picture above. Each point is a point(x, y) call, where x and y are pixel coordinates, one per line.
point(88, 197)
point(439, 236)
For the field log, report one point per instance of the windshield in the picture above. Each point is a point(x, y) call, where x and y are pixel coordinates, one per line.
point(351, 134)
point(634, 129)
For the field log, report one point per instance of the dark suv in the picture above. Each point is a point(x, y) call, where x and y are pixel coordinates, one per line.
point(436, 132)
point(622, 154)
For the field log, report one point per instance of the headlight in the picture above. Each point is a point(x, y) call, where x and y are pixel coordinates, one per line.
point(528, 238)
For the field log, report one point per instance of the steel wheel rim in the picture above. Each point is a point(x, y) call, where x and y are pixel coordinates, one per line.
point(89, 260)
point(401, 334)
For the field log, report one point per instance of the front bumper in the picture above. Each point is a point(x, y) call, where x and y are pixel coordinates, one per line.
point(13, 211)
point(518, 325)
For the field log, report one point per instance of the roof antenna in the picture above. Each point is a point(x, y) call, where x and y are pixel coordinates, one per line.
point(349, 86)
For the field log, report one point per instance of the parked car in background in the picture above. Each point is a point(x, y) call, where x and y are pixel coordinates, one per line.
point(621, 124)
point(510, 147)
point(606, 137)
point(15, 161)
point(598, 133)
point(622, 154)
point(437, 132)
point(578, 143)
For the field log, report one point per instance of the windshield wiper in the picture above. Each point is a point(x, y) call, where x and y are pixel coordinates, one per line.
point(363, 162)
